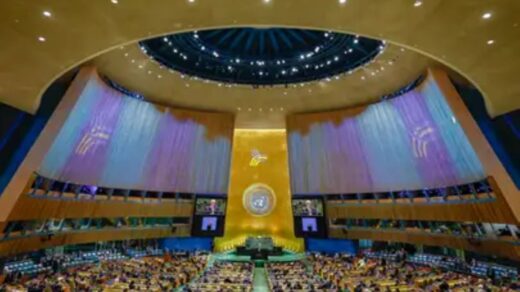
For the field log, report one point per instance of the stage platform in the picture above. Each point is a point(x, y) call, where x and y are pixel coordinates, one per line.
point(286, 256)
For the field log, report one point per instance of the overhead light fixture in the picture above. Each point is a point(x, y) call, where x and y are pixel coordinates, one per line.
point(47, 13)
point(114, 1)
point(417, 3)
point(41, 39)
point(487, 15)
point(267, 1)
point(342, 1)
point(490, 42)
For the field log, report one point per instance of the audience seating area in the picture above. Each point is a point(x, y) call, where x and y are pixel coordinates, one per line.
point(477, 191)
point(477, 230)
point(51, 227)
point(383, 272)
point(476, 268)
point(113, 272)
point(224, 276)
point(294, 276)
point(152, 269)
point(46, 187)
point(24, 267)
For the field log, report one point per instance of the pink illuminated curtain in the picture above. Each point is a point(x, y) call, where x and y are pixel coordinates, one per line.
point(112, 140)
point(407, 143)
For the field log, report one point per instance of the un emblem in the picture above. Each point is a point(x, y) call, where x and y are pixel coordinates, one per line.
point(259, 200)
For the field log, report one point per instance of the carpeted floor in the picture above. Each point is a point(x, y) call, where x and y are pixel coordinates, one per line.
point(260, 283)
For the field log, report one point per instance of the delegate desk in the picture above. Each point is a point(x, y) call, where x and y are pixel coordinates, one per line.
point(259, 248)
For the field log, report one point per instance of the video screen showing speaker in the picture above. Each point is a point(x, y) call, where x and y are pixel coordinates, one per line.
point(210, 206)
point(307, 207)
point(209, 216)
point(309, 217)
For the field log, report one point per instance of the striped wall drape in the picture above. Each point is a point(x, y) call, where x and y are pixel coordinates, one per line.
point(112, 140)
point(406, 143)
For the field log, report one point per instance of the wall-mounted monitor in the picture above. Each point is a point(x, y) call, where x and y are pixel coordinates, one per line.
point(307, 207)
point(209, 216)
point(309, 217)
point(210, 206)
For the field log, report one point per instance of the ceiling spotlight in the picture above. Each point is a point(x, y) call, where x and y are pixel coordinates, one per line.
point(191, 1)
point(267, 1)
point(490, 42)
point(487, 15)
point(47, 13)
point(159, 76)
point(41, 39)
point(114, 1)
point(417, 3)
point(342, 1)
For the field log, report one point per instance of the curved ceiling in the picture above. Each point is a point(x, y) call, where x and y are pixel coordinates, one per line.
point(478, 39)
point(262, 56)
point(264, 107)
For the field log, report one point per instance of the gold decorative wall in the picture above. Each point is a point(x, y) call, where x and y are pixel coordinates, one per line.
point(259, 197)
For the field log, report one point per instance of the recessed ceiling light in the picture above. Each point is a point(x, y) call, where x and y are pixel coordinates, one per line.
point(41, 39)
point(159, 76)
point(114, 1)
point(47, 13)
point(267, 1)
point(490, 42)
point(342, 1)
point(417, 3)
point(487, 15)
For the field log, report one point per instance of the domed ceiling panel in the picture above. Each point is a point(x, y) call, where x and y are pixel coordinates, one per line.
point(262, 56)
point(37, 48)
point(264, 106)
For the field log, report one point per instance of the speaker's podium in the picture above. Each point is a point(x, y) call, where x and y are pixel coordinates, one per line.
point(259, 248)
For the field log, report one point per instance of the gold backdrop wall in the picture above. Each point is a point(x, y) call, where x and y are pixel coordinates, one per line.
point(259, 157)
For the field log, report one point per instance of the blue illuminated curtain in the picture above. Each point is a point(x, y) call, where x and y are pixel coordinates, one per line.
point(409, 142)
point(113, 140)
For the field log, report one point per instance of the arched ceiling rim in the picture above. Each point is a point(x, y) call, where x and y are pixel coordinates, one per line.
point(191, 29)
